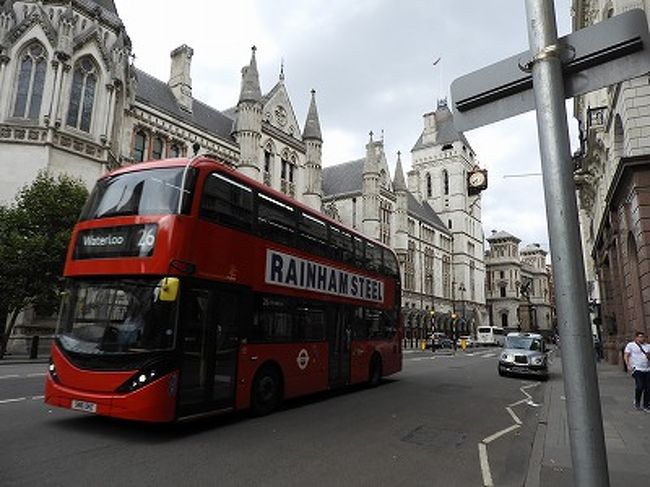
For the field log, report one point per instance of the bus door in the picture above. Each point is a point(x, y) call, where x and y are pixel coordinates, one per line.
point(210, 320)
point(339, 339)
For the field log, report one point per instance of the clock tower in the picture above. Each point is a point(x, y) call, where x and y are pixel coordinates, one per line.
point(446, 175)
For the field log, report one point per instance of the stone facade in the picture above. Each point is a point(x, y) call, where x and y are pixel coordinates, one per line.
point(612, 175)
point(430, 221)
point(518, 285)
point(72, 101)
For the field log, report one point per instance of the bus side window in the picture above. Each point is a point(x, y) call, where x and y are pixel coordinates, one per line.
point(226, 201)
point(312, 235)
point(310, 323)
point(342, 245)
point(373, 257)
point(275, 220)
point(273, 321)
point(359, 325)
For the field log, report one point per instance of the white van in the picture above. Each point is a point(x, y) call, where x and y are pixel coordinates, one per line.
point(490, 335)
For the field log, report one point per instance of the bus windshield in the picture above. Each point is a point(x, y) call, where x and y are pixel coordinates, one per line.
point(121, 316)
point(146, 192)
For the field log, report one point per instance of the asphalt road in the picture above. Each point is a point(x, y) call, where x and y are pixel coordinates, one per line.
point(446, 420)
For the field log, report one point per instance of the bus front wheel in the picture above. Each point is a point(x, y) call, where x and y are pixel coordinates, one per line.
point(267, 392)
point(374, 374)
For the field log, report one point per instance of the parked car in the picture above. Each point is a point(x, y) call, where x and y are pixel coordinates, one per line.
point(469, 341)
point(524, 353)
point(439, 340)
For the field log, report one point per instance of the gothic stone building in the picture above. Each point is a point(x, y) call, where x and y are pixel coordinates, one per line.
point(518, 285)
point(72, 101)
point(612, 175)
point(430, 221)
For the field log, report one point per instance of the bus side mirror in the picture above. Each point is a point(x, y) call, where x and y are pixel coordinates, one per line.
point(168, 289)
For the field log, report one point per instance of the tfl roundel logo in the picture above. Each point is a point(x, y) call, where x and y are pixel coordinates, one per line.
point(303, 359)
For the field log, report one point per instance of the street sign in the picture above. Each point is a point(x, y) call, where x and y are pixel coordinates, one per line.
point(597, 56)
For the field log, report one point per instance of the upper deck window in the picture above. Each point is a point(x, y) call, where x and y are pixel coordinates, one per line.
point(148, 192)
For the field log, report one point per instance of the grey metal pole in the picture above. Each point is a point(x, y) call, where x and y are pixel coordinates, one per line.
point(580, 380)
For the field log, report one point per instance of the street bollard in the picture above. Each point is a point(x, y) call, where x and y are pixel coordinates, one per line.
point(33, 352)
point(463, 344)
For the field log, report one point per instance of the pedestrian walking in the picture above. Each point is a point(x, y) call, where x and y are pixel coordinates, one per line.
point(637, 359)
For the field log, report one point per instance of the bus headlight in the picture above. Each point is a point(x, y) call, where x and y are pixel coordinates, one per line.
point(145, 376)
point(52, 370)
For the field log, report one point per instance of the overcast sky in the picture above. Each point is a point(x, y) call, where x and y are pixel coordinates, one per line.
point(371, 63)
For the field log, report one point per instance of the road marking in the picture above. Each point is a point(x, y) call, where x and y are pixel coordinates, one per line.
point(36, 374)
point(482, 446)
point(499, 434)
point(37, 398)
point(10, 376)
point(485, 465)
point(18, 399)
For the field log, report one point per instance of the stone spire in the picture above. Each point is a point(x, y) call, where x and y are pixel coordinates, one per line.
point(312, 124)
point(401, 209)
point(248, 121)
point(313, 140)
point(399, 183)
point(250, 83)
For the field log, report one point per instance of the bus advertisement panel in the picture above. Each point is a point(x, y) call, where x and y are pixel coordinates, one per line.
point(192, 289)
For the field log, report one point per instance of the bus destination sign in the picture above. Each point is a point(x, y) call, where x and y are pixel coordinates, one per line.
point(291, 271)
point(122, 241)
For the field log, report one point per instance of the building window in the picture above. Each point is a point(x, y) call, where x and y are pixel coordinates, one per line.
point(445, 182)
point(139, 146)
point(82, 94)
point(157, 148)
point(429, 185)
point(175, 151)
point(446, 276)
point(31, 79)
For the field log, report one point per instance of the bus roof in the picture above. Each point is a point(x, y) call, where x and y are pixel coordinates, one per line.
point(205, 159)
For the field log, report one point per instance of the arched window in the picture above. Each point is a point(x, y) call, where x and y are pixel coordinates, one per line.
point(175, 151)
point(31, 79)
point(428, 185)
point(82, 94)
point(139, 146)
point(157, 148)
point(445, 182)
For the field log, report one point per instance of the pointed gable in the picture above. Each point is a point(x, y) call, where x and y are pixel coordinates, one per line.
point(278, 111)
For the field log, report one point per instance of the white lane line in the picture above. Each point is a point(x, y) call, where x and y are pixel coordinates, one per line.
point(485, 465)
point(18, 399)
point(514, 416)
point(482, 446)
point(36, 398)
point(499, 434)
point(10, 376)
point(36, 374)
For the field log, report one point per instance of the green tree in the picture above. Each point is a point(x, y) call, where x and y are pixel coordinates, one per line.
point(34, 235)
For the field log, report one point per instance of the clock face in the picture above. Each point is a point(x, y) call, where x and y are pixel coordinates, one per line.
point(477, 179)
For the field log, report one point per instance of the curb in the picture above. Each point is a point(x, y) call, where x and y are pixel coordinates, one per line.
point(533, 476)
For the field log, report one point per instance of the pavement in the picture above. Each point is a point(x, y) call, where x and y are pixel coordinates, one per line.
point(627, 432)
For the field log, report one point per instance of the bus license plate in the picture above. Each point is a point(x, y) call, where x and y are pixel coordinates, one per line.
point(87, 407)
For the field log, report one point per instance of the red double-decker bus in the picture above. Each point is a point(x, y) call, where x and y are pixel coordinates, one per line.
point(192, 289)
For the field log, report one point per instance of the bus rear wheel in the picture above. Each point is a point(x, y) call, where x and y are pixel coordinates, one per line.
point(374, 374)
point(267, 392)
